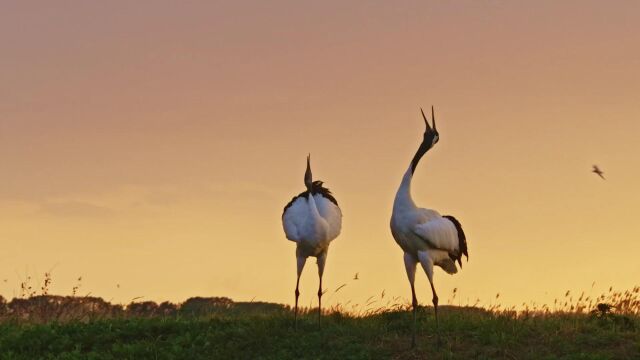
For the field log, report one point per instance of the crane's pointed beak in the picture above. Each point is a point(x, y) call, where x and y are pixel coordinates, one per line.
point(425, 120)
point(308, 178)
point(433, 118)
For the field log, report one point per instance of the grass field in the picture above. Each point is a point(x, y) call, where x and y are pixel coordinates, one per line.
point(265, 331)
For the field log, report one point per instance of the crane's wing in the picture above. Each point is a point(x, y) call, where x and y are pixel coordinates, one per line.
point(439, 232)
point(428, 214)
point(294, 216)
point(331, 213)
point(444, 233)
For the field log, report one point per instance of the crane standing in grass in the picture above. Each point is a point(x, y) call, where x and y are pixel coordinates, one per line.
point(424, 235)
point(312, 220)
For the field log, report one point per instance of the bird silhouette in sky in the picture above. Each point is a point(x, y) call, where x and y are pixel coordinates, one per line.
point(597, 170)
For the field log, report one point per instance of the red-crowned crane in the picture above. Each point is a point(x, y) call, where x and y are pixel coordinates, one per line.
point(312, 220)
point(424, 235)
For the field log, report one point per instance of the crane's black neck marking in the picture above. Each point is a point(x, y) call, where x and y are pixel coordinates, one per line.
point(316, 188)
point(462, 241)
point(424, 147)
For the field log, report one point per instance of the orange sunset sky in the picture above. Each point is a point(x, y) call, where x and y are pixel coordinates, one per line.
point(153, 145)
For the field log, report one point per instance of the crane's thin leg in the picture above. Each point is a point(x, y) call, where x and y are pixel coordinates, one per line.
point(427, 265)
point(301, 261)
point(322, 258)
point(297, 295)
point(435, 307)
point(319, 301)
point(410, 264)
point(414, 302)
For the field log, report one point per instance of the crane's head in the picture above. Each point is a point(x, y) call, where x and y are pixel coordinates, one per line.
point(308, 179)
point(430, 138)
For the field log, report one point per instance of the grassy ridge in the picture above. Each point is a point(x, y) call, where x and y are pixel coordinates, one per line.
point(465, 333)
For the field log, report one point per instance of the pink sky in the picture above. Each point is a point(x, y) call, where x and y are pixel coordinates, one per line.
point(154, 145)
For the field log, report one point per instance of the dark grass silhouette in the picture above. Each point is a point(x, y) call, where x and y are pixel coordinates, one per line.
point(49, 326)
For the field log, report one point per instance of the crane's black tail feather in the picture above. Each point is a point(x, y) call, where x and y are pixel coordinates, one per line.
point(462, 241)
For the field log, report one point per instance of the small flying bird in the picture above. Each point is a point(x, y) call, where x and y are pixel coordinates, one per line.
point(312, 220)
point(425, 236)
point(597, 170)
point(356, 277)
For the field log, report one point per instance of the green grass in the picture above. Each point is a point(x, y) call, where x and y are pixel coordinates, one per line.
point(466, 333)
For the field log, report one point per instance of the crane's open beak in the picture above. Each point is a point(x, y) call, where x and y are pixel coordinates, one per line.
point(426, 122)
point(433, 118)
point(308, 179)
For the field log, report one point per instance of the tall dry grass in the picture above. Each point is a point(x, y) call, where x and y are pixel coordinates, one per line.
point(41, 306)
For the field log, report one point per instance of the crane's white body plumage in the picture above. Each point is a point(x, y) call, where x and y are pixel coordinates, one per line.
point(423, 230)
point(312, 220)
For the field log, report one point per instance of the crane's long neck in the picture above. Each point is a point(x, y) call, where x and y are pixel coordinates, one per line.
point(403, 196)
point(308, 182)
